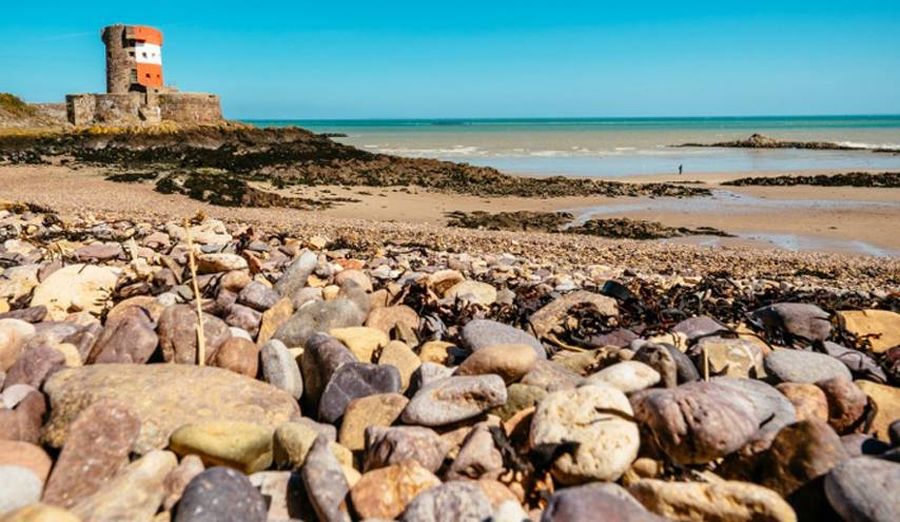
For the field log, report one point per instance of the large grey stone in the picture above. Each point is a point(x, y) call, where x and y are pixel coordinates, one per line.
point(280, 369)
point(455, 399)
point(352, 381)
point(865, 489)
point(804, 367)
point(319, 316)
point(453, 501)
point(482, 333)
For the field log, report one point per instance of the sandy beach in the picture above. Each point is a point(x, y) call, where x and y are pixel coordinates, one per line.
point(830, 219)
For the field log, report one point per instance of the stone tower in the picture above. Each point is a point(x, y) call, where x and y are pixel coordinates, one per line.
point(133, 58)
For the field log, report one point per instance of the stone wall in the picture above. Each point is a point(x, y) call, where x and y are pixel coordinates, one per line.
point(190, 107)
point(136, 108)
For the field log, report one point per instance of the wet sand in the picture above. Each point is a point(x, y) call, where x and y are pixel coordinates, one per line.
point(829, 219)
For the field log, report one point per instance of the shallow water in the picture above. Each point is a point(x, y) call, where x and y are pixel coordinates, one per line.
point(622, 146)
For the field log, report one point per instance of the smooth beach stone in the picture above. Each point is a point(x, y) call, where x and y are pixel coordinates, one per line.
point(134, 494)
point(13, 335)
point(23, 418)
point(243, 317)
point(846, 403)
point(799, 454)
point(626, 376)
point(39, 513)
point(75, 288)
point(239, 355)
point(385, 492)
point(258, 296)
point(221, 495)
point(97, 447)
point(34, 366)
point(773, 410)
point(220, 262)
point(510, 361)
point(296, 274)
point(694, 328)
point(673, 366)
point(325, 484)
point(519, 397)
point(177, 331)
point(293, 440)
point(608, 443)
point(454, 399)
point(178, 479)
point(399, 355)
point(864, 489)
point(21, 487)
point(730, 357)
point(579, 503)
point(552, 376)
point(319, 316)
point(481, 333)
point(351, 276)
point(374, 410)
point(18, 281)
point(240, 445)
point(478, 457)
point(454, 501)
point(809, 400)
point(802, 366)
point(130, 338)
point(99, 252)
point(437, 352)
point(361, 340)
point(426, 374)
point(321, 357)
point(164, 397)
point(887, 399)
point(858, 444)
point(860, 364)
point(352, 381)
point(388, 317)
point(280, 369)
point(724, 501)
point(474, 292)
point(545, 320)
point(25, 455)
point(794, 320)
point(696, 422)
point(880, 329)
point(386, 446)
point(273, 318)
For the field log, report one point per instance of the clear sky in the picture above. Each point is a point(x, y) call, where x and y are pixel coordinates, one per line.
point(486, 58)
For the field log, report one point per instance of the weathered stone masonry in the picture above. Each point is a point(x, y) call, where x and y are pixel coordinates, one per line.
point(136, 94)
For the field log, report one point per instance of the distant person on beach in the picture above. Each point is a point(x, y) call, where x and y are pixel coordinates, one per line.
point(680, 169)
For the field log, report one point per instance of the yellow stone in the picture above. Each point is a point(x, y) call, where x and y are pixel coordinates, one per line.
point(381, 409)
point(241, 445)
point(435, 352)
point(273, 318)
point(39, 513)
point(292, 443)
point(882, 325)
point(887, 398)
point(362, 340)
point(400, 356)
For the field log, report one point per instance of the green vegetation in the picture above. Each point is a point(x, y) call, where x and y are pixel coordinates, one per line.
point(15, 106)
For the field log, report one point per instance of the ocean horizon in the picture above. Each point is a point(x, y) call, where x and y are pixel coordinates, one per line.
point(619, 146)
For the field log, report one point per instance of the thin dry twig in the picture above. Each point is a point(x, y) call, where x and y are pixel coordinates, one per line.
point(201, 338)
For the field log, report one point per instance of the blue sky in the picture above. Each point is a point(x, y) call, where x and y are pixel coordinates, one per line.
point(490, 58)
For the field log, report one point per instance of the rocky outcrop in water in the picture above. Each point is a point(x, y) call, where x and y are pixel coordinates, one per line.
point(758, 141)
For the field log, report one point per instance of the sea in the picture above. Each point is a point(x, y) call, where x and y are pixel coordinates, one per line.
point(619, 147)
